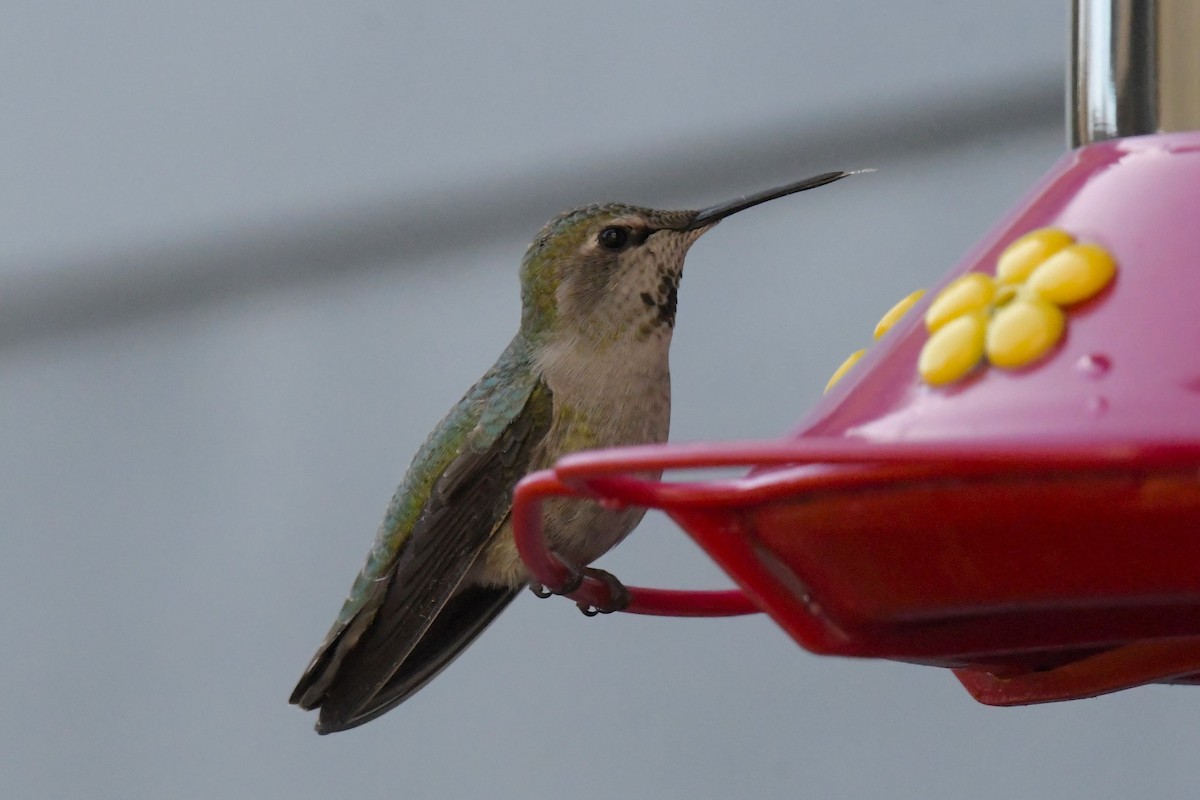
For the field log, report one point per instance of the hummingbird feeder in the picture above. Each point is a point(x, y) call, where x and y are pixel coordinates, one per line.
point(1007, 481)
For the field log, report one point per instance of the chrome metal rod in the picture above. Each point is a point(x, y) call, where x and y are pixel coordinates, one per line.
point(1135, 68)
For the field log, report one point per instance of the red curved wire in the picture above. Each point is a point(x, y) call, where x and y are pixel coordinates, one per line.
point(604, 475)
point(549, 571)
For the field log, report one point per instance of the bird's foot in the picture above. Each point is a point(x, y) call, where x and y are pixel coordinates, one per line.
point(618, 596)
point(569, 586)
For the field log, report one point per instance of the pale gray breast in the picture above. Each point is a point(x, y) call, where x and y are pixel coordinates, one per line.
point(621, 397)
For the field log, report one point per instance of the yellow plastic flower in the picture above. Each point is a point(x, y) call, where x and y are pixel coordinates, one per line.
point(965, 295)
point(850, 361)
point(954, 349)
point(897, 311)
point(1022, 256)
point(1016, 318)
point(1009, 320)
point(884, 325)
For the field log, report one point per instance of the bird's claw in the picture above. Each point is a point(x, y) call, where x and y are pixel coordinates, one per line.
point(618, 595)
point(569, 586)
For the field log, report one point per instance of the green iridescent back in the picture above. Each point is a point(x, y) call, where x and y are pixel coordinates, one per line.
point(476, 421)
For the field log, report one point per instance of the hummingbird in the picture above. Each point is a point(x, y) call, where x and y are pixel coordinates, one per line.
point(588, 368)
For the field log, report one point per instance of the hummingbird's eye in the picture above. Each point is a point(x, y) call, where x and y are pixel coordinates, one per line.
point(614, 237)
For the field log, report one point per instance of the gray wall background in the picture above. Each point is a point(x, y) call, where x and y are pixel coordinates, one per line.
point(251, 251)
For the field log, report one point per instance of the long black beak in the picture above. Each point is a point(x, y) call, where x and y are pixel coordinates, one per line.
point(712, 214)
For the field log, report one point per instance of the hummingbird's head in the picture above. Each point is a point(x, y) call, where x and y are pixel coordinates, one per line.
point(608, 272)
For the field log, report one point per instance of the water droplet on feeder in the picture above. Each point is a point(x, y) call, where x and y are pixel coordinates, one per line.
point(1094, 365)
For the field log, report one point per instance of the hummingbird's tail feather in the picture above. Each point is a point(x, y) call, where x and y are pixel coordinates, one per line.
point(360, 654)
point(326, 665)
point(463, 618)
point(311, 687)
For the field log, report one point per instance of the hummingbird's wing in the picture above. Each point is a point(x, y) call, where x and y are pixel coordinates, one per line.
point(449, 505)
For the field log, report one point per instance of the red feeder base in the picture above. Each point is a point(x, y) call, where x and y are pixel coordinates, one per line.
point(1046, 574)
point(1036, 529)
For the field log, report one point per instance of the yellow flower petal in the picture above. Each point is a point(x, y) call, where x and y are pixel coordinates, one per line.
point(850, 361)
point(1073, 274)
point(971, 292)
point(953, 350)
point(1023, 256)
point(896, 312)
point(1023, 331)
